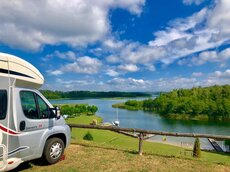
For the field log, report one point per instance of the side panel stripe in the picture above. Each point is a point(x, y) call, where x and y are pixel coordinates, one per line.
point(14, 73)
point(8, 131)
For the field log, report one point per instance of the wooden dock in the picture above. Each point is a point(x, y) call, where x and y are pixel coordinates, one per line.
point(215, 145)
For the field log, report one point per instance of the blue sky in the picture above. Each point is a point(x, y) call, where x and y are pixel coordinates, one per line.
point(131, 45)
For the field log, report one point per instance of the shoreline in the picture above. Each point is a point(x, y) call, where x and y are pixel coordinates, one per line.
point(186, 146)
point(106, 98)
point(182, 117)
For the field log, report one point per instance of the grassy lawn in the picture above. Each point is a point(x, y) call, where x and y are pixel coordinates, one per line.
point(110, 151)
point(84, 119)
point(96, 159)
point(109, 139)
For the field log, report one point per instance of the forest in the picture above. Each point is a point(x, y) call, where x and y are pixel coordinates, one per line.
point(208, 102)
point(90, 94)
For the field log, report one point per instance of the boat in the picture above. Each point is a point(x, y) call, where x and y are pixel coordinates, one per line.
point(116, 122)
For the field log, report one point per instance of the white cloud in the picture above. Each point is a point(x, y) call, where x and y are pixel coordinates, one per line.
point(162, 84)
point(207, 56)
point(217, 78)
point(54, 72)
point(112, 73)
point(131, 83)
point(112, 59)
point(128, 68)
point(219, 74)
point(75, 84)
point(190, 2)
point(30, 24)
point(182, 38)
point(197, 74)
point(69, 55)
point(167, 84)
point(150, 67)
point(178, 28)
point(219, 18)
point(134, 84)
point(84, 65)
point(70, 82)
point(113, 44)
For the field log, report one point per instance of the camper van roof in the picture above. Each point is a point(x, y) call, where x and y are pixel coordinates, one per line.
point(26, 75)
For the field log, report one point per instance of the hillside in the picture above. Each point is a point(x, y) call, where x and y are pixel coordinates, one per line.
point(90, 94)
point(110, 151)
point(196, 103)
point(85, 158)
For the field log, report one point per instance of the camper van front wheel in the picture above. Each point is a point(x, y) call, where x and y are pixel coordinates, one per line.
point(53, 151)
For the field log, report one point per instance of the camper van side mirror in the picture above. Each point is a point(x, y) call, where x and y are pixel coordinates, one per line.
point(57, 112)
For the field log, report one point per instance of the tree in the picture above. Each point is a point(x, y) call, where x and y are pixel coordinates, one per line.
point(93, 109)
point(196, 148)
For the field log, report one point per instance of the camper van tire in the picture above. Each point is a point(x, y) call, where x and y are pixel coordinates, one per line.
point(53, 151)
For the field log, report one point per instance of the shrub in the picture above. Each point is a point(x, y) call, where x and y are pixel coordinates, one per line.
point(88, 136)
point(94, 122)
point(196, 149)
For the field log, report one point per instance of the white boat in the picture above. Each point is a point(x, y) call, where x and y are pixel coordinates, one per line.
point(116, 122)
point(26, 75)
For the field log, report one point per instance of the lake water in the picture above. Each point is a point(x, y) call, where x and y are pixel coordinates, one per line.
point(152, 121)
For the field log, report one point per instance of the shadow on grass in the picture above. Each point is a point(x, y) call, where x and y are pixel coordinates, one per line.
point(23, 166)
point(29, 164)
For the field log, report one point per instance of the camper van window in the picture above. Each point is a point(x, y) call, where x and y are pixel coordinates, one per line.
point(3, 104)
point(29, 104)
point(34, 106)
point(44, 109)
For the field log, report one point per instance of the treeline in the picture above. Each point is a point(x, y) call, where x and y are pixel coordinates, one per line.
point(78, 109)
point(213, 102)
point(90, 94)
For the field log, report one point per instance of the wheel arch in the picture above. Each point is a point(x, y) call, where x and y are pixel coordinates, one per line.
point(61, 136)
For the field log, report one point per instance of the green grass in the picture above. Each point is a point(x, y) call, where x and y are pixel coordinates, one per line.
point(97, 159)
point(84, 119)
point(124, 106)
point(113, 140)
point(110, 151)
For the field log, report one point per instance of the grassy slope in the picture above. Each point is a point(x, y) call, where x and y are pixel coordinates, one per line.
point(115, 152)
point(82, 158)
point(109, 139)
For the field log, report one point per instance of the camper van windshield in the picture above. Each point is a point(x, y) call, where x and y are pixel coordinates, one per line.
point(3, 104)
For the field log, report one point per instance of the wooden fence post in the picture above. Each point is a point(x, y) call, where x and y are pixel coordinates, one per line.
point(141, 136)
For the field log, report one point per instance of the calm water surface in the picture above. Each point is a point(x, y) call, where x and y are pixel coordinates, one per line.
point(152, 121)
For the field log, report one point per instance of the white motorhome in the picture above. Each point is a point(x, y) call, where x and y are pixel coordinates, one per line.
point(30, 127)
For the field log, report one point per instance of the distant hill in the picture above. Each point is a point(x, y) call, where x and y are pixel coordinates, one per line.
point(90, 94)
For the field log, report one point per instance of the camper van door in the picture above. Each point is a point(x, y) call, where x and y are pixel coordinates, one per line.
point(3, 121)
point(34, 118)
